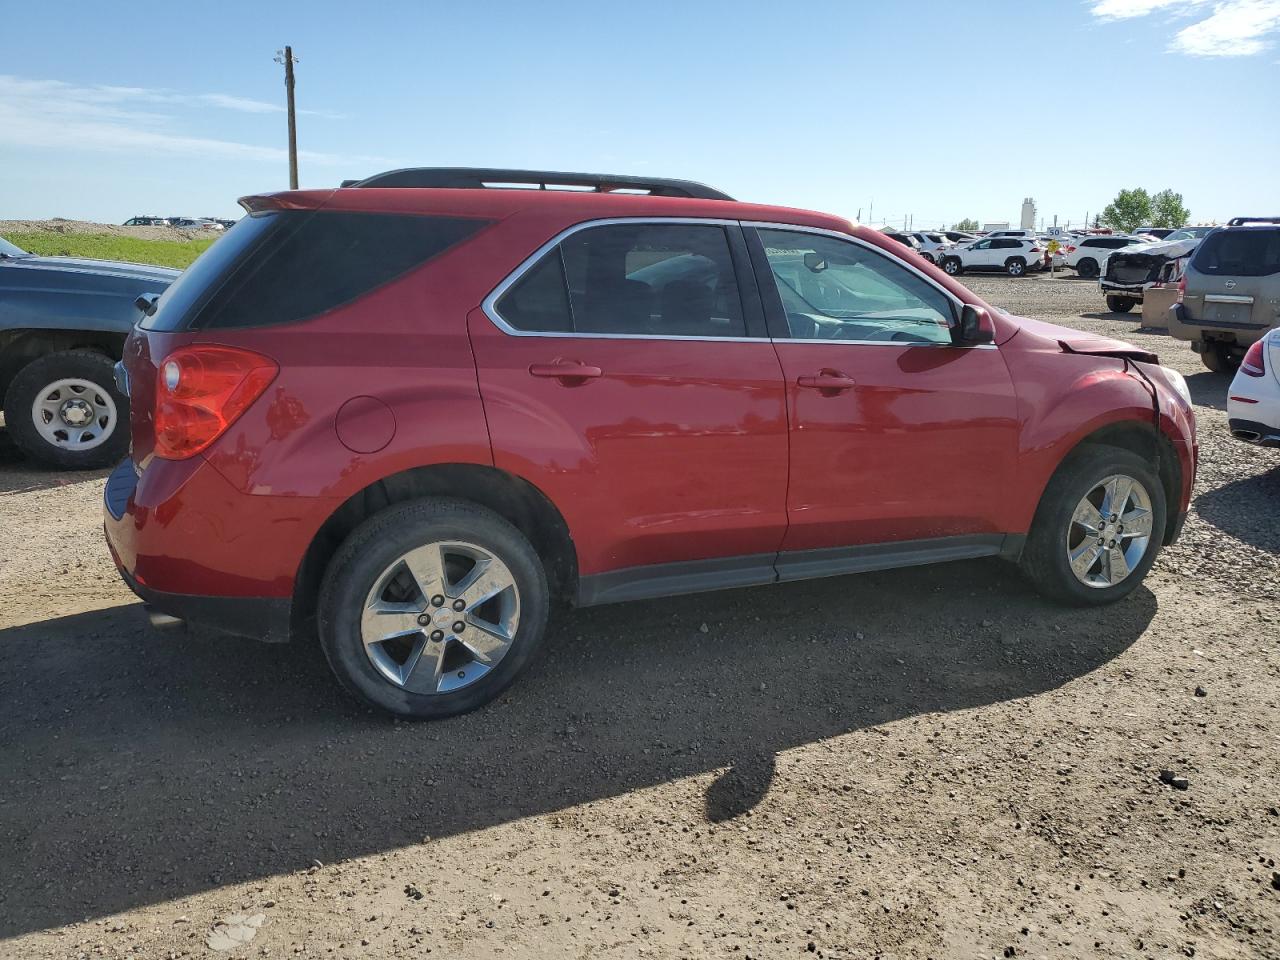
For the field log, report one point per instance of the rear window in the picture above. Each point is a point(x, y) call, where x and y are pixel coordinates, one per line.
point(1239, 253)
point(286, 266)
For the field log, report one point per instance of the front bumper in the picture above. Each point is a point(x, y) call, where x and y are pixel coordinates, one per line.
point(190, 546)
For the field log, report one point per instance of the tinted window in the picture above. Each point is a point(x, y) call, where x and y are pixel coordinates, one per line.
point(288, 266)
point(642, 279)
point(1239, 253)
point(539, 301)
point(838, 290)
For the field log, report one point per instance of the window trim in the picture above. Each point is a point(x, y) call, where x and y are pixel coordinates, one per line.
point(756, 244)
point(748, 293)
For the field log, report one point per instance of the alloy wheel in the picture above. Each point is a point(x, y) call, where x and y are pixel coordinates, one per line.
point(440, 617)
point(1109, 532)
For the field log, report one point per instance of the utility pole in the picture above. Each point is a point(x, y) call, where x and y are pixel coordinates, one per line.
point(286, 57)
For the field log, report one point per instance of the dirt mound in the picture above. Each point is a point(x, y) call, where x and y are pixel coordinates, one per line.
point(58, 225)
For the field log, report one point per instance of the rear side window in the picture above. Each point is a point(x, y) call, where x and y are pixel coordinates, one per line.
point(631, 279)
point(287, 266)
point(1239, 253)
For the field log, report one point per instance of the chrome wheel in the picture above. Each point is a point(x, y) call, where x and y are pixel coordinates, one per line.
point(74, 414)
point(440, 617)
point(952, 267)
point(1109, 532)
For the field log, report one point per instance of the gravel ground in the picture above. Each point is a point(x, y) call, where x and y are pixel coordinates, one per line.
point(921, 763)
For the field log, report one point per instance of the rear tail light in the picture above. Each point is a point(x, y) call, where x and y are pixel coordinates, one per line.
point(1071, 248)
point(200, 391)
point(1253, 364)
point(1182, 288)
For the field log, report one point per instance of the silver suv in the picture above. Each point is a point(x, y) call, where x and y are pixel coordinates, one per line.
point(1230, 292)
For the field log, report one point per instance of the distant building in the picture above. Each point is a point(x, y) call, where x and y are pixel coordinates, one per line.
point(989, 227)
point(1028, 214)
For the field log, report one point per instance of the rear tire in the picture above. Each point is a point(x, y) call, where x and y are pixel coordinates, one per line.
point(952, 266)
point(1120, 304)
point(1087, 268)
point(62, 396)
point(372, 572)
point(1219, 359)
point(1062, 521)
point(1015, 266)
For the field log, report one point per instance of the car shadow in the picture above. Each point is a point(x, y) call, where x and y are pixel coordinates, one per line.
point(1209, 389)
point(1246, 508)
point(141, 766)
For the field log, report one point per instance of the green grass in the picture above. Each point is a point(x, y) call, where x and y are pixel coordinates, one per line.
point(105, 246)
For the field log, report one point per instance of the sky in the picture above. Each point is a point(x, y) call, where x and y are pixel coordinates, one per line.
point(875, 110)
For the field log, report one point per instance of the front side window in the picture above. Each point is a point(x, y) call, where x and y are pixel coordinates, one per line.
point(834, 289)
point(631, 279)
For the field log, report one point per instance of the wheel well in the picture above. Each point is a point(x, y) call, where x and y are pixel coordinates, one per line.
point(20, 347)
point(1144, 440)
point(515, 500)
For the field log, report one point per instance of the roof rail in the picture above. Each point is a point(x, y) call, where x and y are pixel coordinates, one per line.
point(1241, 221)
point(471, 178)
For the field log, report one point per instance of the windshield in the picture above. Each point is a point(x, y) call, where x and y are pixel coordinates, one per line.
point(7, 249)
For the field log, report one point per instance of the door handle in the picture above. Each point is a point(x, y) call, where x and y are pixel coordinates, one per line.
point(565, 370)
point(828, 381)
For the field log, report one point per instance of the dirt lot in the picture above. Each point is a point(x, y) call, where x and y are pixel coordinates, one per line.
point(921, 763)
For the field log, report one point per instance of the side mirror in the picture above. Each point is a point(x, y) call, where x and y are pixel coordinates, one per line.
point(815, 261)
point(974, 328)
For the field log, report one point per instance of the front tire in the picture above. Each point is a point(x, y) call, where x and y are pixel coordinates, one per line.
point(1119, 304)
point(1087, 268)
point(432, 608)
point(63, 410)
point(1015, 266)
point(952, 266)
point(1098, 529)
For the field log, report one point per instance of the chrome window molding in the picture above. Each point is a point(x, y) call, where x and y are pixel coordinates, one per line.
point(489, 304)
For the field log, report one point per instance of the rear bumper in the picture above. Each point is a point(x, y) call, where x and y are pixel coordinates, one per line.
point(1255, 432)
point(191, 546)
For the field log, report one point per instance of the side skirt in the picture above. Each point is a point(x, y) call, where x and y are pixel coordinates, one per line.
point(724, 573)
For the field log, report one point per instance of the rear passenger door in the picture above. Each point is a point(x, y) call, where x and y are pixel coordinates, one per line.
point(627, 373)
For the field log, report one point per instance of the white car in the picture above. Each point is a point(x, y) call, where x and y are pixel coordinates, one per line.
point(1012, 255)
point(932, 245)
point(1253, 402)
point(1088, 256)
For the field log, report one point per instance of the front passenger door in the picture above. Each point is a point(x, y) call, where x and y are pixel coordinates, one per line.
point(896, 434)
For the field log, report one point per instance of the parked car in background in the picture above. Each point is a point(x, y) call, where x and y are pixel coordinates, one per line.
point(1025, 234)
point(1253, 402)
point(1185, 233)
point(1134, 269)
point(1230, 291)
point(959, 236)
point(147, 222)
point(1012, 255)
point(906, 239)
point(1088, 256)
point(63, 322)
point(502, 399)
point(932, 245)
point(1157, 233)
point(194, 223)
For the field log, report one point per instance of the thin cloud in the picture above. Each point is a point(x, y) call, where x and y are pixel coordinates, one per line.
point(57, 115)
point(1234, 28)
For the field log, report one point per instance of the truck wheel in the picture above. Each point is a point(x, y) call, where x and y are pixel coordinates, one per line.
point(63, 410)
point(1219, 359)
point(1098, 528)
point(431, 608)
point(952, 266)
point(1015, 266)
point(1087, 268)
point(1119, 304)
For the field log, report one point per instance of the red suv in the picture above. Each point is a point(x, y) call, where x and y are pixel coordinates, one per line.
point(413, 413)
